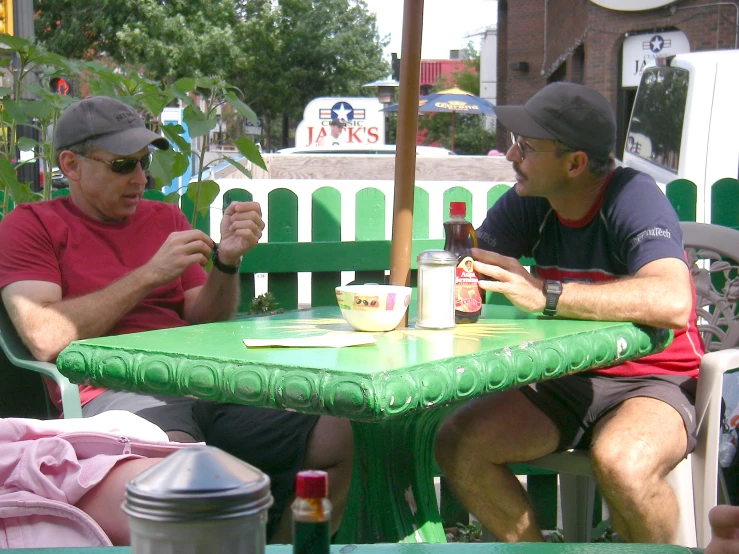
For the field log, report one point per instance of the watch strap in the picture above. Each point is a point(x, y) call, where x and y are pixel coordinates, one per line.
point(552, 292)
point(220, 266)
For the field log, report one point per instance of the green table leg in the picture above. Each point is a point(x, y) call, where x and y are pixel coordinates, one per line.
point(392, 497)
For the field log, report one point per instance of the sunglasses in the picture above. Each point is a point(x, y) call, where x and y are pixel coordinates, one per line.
point(124, 166)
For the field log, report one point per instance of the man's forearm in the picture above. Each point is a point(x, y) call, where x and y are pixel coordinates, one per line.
point(55, 325)
point(637, 300)
point(217, 300)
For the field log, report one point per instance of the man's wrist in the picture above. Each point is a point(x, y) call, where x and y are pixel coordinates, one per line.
point(225, 264)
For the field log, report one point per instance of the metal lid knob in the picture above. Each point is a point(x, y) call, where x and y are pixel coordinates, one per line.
point(197, 483)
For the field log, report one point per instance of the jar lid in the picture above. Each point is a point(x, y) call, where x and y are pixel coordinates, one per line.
point(436, 257)
point(198, 483)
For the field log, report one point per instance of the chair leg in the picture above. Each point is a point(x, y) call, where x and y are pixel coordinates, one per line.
point(578, 494)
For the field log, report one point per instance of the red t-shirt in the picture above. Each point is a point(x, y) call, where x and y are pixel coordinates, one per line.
point(55, 242)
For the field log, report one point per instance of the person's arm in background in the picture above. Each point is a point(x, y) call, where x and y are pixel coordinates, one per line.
point(218, 298)
point(47, 323)
point(724, 522)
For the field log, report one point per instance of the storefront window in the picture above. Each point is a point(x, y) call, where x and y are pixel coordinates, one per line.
point(656, 127)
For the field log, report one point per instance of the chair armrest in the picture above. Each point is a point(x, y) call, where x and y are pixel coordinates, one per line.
point(712, 369)
point(19, 356)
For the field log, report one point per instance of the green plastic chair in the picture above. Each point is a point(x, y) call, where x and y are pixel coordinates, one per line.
point(19, 356)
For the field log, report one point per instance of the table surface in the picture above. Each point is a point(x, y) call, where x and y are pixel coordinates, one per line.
point(479, 548)
point(406, 370)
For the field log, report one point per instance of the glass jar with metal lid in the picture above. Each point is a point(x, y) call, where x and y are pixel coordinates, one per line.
point(436, 270)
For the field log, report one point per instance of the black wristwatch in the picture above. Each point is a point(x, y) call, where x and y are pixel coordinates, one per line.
point(552, 290)
point(223, 268)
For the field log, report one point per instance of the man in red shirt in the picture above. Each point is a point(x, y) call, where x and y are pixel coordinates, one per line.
point(103, 261)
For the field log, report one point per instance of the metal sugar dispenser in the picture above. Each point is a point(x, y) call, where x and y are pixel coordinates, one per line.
point(436, 271)
point(199, 500)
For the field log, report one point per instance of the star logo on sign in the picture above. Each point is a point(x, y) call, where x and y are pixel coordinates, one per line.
point(343, 111)
point(656, 44)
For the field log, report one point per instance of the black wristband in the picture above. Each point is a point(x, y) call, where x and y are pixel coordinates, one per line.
point(223, 268)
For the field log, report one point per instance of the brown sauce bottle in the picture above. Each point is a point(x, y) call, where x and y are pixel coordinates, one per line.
point(460, 237)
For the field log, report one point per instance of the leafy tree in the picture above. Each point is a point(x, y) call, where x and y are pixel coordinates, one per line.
point(168, 39)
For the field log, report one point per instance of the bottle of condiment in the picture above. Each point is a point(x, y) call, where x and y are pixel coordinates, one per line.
point(460, 237)
point(311, 513)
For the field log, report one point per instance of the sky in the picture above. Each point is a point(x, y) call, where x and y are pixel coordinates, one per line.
point(445, 24)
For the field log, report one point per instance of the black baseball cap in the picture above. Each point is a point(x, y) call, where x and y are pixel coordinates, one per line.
point(107, 124)
point(573, 114)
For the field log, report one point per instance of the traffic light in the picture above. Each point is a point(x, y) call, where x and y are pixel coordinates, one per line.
point(6, 17)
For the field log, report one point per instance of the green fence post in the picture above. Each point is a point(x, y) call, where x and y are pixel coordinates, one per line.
point(325, 227)
point(283, 227)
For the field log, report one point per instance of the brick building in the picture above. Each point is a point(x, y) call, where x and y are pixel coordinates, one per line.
point(541, 41)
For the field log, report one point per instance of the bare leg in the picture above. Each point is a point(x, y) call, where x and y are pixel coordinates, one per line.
point(180, 436)
point(103, 502)
point(473, 446)
point(634, 447)
point(330, 448)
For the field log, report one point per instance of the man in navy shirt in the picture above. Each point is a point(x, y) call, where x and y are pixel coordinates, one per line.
point(607, 246)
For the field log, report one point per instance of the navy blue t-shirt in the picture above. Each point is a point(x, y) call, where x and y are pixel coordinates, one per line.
point(630, 225)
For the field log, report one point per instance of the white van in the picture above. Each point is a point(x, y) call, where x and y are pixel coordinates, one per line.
point(685, 120)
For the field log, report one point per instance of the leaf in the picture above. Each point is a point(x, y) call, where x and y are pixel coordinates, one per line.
point(19, 192)
point(241, 108)
point(14, 111)
point(248, 149)
point(26, 143)
point(206, 192)
point(154, 103)
point(15, 43)
point(5, 91)
point(172, 198)
point(238, 166)
point(166, 165)
point(198, 124)
point(174, 133)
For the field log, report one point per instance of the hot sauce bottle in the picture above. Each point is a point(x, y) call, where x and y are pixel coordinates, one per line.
point(311, 513)
point(460, 237)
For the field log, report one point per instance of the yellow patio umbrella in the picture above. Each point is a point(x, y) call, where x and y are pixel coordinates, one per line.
point(405, 161)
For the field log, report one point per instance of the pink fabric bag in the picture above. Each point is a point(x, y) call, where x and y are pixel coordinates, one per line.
point(47, 466)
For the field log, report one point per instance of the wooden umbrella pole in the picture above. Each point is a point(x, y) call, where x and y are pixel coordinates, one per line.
point(405, 159)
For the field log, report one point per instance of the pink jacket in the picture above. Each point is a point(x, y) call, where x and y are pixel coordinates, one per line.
point(47, 466)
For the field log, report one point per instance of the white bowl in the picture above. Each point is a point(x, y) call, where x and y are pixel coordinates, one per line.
point(373, 307)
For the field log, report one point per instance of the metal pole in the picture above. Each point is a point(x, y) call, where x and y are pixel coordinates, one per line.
point(405, 160)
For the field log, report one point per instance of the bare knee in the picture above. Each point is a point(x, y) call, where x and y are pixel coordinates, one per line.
point(103, 502)
point(330, 443)
point(628, 468)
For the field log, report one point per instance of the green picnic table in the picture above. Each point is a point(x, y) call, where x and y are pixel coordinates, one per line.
point(395, 392)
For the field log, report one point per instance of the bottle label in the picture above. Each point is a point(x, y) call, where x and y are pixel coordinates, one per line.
point(466, 290)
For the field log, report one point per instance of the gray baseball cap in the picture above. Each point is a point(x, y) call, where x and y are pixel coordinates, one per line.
point(107, 124)
point(576, 115)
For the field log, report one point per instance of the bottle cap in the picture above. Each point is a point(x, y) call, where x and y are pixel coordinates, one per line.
point(311, 484)
point(457, 209)
point(436, 257)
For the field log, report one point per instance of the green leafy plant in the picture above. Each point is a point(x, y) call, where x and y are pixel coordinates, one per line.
point(264, 303)
point(469, 533)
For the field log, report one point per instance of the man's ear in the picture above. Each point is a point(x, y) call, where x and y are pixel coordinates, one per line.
point(69, 164)
point(578, 162)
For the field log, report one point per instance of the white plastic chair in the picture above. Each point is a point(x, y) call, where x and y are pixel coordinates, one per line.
point(712, 251)
point(19, 356)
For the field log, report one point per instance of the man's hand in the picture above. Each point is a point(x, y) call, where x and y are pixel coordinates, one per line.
point(241, 229)
point(511, 279)
point(724, 522)
point(179, 251)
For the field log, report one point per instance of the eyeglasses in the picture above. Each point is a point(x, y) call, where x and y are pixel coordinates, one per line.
point(124, 166)
point(524, 148)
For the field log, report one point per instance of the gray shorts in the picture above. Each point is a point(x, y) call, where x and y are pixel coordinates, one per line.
point(272, 440)
point(576, 403)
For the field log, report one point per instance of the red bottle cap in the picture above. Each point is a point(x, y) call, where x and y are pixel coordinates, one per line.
point(311, 484)
point(457, 209)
